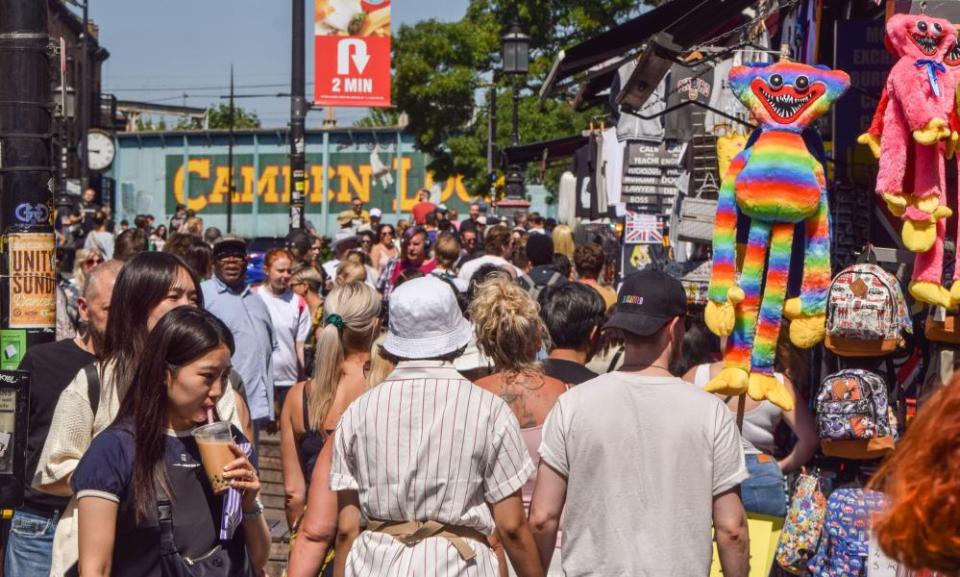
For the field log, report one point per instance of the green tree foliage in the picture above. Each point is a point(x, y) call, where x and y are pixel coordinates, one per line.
point(443, 71)
point(219, 117)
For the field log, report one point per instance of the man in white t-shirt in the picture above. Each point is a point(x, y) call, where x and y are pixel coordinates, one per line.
point(498, 246)
point(642, 463)
point(291, 321)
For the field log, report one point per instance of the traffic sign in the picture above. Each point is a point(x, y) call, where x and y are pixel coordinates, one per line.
point(352, 53)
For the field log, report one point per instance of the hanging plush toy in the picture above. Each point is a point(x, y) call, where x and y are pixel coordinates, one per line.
point(777, 183)
point(911, 177)
point(911, 180)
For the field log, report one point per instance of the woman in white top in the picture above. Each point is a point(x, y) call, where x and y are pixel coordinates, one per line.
point(764, 491)
point(148, 286)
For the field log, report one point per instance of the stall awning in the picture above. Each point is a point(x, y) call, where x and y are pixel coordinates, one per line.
point(688, 21)
point(552, 149)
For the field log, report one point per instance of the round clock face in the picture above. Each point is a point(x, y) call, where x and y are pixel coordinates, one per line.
point(100, 150)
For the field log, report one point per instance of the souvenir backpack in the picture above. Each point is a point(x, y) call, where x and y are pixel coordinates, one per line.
point(866, 312)
point(802, 527)
point(854, 420)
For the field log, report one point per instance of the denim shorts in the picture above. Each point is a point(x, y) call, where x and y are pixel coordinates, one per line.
point(30, 545)
point(764, 492)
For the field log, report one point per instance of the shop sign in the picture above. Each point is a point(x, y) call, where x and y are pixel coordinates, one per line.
point(650, 174)
point(352, 52)
point(13, 345)
point(32, 283)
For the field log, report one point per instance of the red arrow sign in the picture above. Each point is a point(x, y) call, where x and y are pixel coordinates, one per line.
point(352, 70)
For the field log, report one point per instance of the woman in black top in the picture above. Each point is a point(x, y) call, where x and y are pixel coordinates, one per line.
point(141, 483)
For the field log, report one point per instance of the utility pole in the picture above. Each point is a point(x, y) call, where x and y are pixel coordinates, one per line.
point(28, 282)
point(85, 98)
point(298, 116)
point(230, 183)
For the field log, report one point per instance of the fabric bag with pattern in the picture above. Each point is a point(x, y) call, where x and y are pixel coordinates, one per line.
point(853, 415)
point(866, 312)
point(802, 527)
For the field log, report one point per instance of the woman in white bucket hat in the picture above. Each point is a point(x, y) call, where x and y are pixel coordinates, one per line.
point(430, 463)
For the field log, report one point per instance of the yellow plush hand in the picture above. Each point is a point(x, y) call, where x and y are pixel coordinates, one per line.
point(721, 317)
point(931, 205)
point(935, 130)
point(767, 387)
point(932, 293)
point(805, 331)
point(896, 203)
point(873, 142)
point(918, 236)
point(952, 144)
point(730, 381)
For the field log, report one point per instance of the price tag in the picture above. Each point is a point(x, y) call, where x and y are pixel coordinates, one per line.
point(879, 565)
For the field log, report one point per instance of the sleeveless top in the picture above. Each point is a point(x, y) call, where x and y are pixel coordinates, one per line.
point(759, 423)
point(531, 438)
point(310, 442)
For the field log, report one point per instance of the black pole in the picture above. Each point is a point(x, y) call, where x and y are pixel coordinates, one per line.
point(230, 183)
point(85, 99)
point(298, 115)
point(516, 113)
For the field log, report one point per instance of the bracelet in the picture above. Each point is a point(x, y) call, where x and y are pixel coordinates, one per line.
point(256, 512)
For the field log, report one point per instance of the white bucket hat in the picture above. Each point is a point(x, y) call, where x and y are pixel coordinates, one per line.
point(425, 320)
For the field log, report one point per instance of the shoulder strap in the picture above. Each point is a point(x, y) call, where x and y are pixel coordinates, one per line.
point(554, 278)
point(306, 409)
point(614, 360)
point(93, 386)
point(526, 282)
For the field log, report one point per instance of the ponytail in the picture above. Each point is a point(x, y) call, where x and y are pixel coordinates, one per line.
point(352, 311)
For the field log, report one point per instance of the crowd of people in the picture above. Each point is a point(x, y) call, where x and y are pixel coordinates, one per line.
point(452, 397)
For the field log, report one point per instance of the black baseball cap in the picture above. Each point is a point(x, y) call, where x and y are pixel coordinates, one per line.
point(229, 246)
point(647, 301)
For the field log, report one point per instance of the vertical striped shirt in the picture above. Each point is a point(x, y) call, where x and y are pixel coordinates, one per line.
point(427, 445)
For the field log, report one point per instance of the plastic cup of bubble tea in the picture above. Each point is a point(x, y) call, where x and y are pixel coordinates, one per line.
point(214, 441)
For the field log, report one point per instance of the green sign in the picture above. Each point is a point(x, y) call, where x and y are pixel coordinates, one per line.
point(13, 345)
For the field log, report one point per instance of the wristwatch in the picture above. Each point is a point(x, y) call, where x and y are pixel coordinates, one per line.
point(256, 512)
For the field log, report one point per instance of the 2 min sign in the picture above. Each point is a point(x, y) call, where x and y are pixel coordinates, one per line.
point(352, 53)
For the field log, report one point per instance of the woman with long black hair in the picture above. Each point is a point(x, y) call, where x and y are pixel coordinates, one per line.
point(147, 508)
point(149, 285)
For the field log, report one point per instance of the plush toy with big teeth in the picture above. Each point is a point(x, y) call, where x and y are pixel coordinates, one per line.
point(776, 183)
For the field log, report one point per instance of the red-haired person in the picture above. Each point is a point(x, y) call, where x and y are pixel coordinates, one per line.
point(291, 322)
point(921, 527)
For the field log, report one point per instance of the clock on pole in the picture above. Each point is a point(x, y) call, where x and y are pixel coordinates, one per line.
point(100, 150)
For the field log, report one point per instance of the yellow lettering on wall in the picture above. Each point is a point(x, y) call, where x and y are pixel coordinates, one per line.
point(245, 195)
point(220, 185)
point(285, 194)
point(351, 185)
point(454, 185)
point(200, 167)
point(267, 184)
point(316, 184)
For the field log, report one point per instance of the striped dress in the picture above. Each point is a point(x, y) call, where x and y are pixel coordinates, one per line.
point(427, 445)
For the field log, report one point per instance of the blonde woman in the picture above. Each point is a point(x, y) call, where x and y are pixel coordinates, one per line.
point(68, 318)
point(310, 415)
point(510, 332)
point(563, 241)
point(350, 271)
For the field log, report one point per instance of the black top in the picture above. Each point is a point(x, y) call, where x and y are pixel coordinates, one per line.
point(569, 372)
point(311, 442)
point(51, 366)
point(107, 470)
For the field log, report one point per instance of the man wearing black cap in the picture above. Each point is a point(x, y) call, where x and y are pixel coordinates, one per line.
point(227, 296)
point(642, 463)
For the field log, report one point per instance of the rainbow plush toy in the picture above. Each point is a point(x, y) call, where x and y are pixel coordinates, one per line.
point(777, 183)
point(916, 110)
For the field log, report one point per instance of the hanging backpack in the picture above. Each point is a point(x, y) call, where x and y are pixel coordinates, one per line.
point(866, 312)
point(803, 525)
point(853, 415)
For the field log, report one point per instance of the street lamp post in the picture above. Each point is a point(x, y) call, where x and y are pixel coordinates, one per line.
point(515, 47)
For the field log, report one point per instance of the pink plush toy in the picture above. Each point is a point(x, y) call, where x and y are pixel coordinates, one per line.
point(911, 178)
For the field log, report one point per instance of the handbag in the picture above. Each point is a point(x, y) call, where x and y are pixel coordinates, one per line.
point(214, 563)
point(697, 214)
point(802, 527)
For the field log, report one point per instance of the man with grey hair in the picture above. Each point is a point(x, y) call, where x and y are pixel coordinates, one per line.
point(52, 366)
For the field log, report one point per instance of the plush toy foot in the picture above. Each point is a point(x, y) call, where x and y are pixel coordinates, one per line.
point(730, 381)
point(762, 387)
point(872, 141)
point(721, 317)
point(805, 330)
point(933, 294)
point(952, 144)
point(933, 132)
point(896, 203)
point(918, 236)
point(930, 207)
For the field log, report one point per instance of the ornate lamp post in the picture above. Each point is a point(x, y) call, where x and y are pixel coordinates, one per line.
point(515, 51)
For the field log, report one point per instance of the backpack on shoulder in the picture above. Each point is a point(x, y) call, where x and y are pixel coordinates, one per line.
point(802, 527)
point(528, 284)
point(854, 419)
point(866, 312)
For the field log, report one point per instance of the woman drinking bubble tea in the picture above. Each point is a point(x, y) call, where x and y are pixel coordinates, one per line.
point(147, 506)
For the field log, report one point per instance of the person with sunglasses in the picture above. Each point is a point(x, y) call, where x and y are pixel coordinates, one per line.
point(386, 247)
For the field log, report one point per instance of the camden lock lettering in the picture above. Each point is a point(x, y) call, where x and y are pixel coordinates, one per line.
point(201, 184)
point(32, 284)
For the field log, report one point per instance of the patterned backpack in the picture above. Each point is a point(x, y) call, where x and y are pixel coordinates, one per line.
point(866, 312)
point(853, 415)
point(803, 525)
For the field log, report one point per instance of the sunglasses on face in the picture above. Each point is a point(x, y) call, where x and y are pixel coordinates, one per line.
point(93, 261)
point(387, 233)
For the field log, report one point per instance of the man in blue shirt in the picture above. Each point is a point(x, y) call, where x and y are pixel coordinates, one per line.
point(228, 297)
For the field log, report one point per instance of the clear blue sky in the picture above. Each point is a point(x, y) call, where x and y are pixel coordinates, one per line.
point(160, 50)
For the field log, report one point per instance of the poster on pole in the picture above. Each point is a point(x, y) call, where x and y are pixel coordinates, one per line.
point(352, 53)
point(32, 297)
point(640, 228)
